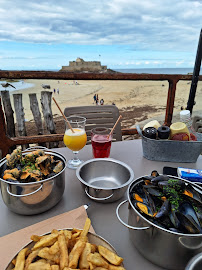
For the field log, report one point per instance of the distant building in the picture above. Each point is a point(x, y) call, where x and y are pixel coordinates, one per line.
point(84, 66)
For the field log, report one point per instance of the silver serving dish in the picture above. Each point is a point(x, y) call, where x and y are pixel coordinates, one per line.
point(104, 179)
point(195, 263)
point(92, 238)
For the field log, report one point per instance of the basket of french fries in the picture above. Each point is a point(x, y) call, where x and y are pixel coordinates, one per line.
point(67, 249)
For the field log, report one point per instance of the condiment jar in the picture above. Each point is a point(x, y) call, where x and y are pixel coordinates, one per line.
point(150, 132)
point(179, 131)
point(163, 132)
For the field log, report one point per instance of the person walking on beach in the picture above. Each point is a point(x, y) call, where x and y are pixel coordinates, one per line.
point(54, 90)
point(102, 101)
point(97, 100)
point(58, 91)
point(94, 98)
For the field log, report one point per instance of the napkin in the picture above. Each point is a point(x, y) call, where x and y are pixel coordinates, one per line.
point(11, 244)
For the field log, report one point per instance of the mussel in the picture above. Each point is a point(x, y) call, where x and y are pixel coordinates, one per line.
point(169, 203)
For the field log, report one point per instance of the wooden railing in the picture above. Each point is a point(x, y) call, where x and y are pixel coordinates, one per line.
point(7, 142)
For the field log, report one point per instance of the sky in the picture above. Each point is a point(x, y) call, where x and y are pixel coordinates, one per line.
point(45, 35)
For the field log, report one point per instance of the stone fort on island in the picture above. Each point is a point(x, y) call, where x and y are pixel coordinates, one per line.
point(84, 66)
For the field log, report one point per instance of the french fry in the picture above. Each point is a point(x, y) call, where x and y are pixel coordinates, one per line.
point(20, 260)
point(63, 251)
point(14, 261)
point(44, 253)
point(99, 268)
point(46, 240)
point(54, 248)
point(31, 257)
point(76, 235)
point(75, 253)
point(68, 234)
point(97, 260)
point(93, 248)
point(83, 262)
point(55, 267)
point(109, 255)
point(36, 238)
point(86, 228)
point(39, 265)
point(54, 231)
point(113, 267)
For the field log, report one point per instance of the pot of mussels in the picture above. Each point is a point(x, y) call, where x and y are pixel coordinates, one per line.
point(164, 219)
point(32, 181)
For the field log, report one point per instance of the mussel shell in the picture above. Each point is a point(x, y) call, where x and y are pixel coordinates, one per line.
point(144, 208)
point(153, 190)
point(154, 173)
point(173, 217)
point(164, 210)
point(193, 193)
point(159, 178)
point(188, 218)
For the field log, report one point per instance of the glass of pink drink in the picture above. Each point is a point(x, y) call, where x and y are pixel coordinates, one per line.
point(101, 142)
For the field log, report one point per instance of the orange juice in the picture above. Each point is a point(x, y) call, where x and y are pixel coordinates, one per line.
point(75, 141)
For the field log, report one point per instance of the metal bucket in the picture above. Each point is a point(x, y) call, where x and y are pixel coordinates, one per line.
point(171, 151)
point(34, 197)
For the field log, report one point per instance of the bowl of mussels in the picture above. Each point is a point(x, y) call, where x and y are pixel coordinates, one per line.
point(32, 181)
point(165, 219)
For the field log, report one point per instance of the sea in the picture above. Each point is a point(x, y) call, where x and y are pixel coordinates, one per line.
point(183, 71)
point(22, 84)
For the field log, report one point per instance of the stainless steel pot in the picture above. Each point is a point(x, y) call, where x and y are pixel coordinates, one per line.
point(36, 197)
point(195, 263)
point(163, 247)
point(104, 179)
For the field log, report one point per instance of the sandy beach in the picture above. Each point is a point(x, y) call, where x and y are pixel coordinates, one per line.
point(147, 97)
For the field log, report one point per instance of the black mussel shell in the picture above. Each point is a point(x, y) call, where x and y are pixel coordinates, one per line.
point(159, 178)
point(153, 190)
point(188, 218)
point(192, 193)
point(164, 210)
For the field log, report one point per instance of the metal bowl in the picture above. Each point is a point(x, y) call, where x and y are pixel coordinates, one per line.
point(92, 238)
point(32, 198)
point(195, 263)
point(104, 179)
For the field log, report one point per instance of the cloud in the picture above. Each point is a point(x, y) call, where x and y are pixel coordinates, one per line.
point(164, 25)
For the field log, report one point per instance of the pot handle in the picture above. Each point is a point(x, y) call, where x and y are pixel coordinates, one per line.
point(97, 199)
point(125, 224)
point(24, 195)
point(35, 147)
point(139, 130)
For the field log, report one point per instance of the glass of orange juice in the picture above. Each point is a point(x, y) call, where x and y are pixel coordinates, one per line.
point(76, 140)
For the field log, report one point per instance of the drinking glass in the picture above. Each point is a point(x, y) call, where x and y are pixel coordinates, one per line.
point(77, 140)
point(101, 142)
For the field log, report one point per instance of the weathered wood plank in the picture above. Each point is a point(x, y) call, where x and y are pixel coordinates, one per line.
point(46, 98)
point(24, 74)
point(34, 107)
point(20, 116)
point(8, 113)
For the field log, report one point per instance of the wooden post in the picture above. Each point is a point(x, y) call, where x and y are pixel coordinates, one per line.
point(20, 116)
point(46, 98)
point(34, 106)
point(8, 113)
point(170, 101)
